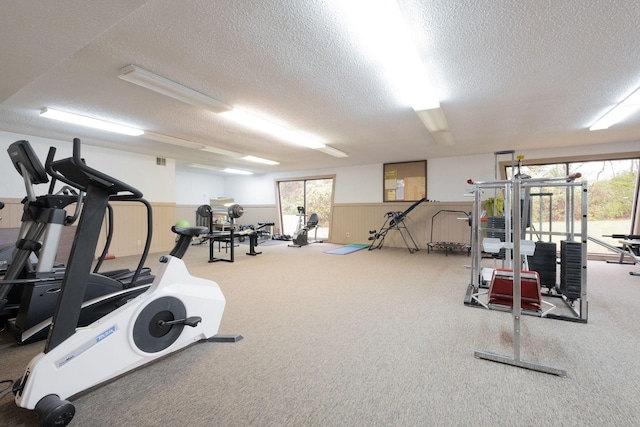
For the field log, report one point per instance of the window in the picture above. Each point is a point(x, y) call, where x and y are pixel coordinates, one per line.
point(612, 197)
point(315, 195)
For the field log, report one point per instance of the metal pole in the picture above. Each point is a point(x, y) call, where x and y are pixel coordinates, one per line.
point(517, 306)
point(584, 310)
point(476, 272)
point(516, 311)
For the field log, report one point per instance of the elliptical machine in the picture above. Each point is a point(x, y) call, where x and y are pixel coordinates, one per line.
point(29, 292)
point(176, 311)
point(34, 252)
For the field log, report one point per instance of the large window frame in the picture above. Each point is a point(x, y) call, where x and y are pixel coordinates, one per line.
point(324, 225)
point(634, 227)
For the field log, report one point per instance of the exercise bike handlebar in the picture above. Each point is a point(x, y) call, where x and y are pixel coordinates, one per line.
point(74, 172)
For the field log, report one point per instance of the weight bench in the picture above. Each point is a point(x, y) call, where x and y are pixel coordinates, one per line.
point(630, 247)
point(500, 294)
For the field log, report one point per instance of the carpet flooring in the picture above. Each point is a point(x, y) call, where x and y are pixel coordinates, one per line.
point(377, 338)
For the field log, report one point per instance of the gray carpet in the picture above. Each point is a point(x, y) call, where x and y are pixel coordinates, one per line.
point(377, 338)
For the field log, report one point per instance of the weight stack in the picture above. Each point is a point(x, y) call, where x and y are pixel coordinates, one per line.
point(571, 269)
point(543, 261)
point(497, 223)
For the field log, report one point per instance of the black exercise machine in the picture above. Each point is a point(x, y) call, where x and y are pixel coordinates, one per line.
point(177, 311)
point(261, 231)
point(395, 221)
point(300, 237)
point(228, 233)
point(29, 294)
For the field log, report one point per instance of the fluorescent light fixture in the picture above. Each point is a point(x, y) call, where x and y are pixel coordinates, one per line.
point(164, 86)
point(201, 166)
point(266, 126)
point(382, 30)
point(189, 144)
point(260, 160)
point(237, 171)
point(222, 151)
point(147, 79)
point(173, 140)
point(618, 113)
point(433, 119)
point(333, 152)
point(213, 168)
point(444, 138)
point(89, 122)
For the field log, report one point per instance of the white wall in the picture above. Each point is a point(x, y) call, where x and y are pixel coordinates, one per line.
point(359, 184)
point(198, 188)
point(353, 185)
point(446, 177)
point(157, 183)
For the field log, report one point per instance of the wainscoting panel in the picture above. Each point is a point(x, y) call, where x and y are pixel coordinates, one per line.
point(130, 229)
point(11, 213)
point(351, 223)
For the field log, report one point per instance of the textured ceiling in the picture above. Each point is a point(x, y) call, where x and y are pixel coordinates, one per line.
point(510, 75)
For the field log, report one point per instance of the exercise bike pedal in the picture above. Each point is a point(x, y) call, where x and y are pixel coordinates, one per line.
point(189, 321)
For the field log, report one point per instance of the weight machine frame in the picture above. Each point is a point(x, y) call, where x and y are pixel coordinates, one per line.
point(516, 208)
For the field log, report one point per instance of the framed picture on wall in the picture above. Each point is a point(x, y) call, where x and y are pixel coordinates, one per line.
point(405, 181)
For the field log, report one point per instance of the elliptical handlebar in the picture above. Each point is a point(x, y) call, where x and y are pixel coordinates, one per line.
point(74, 172)
point(55, 175)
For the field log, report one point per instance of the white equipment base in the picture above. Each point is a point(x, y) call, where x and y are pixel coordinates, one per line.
point(125, 338)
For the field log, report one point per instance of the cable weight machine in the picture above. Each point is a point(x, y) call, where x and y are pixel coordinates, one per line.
point(572, 289)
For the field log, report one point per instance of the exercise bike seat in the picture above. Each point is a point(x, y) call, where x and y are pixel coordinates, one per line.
point(186, 234)
point(313, 221)
point(189, 231)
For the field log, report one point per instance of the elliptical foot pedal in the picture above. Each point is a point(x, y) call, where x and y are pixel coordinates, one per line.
point(54, 411)
point(225, 338)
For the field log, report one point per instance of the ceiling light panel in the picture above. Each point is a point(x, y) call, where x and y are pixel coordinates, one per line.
point(201, 166)
point(255, 159)
point(173, 140)
point(237, 171)
point(630, 105)
point(159, 84)
point(221, 151)
point(89, 122)
point(247, 119)
point(333, 152)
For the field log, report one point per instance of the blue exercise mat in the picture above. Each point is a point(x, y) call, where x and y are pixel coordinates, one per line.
point(347, 249)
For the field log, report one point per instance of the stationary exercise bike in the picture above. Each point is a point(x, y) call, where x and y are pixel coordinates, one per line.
point(300, 235)
point(176, 311)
